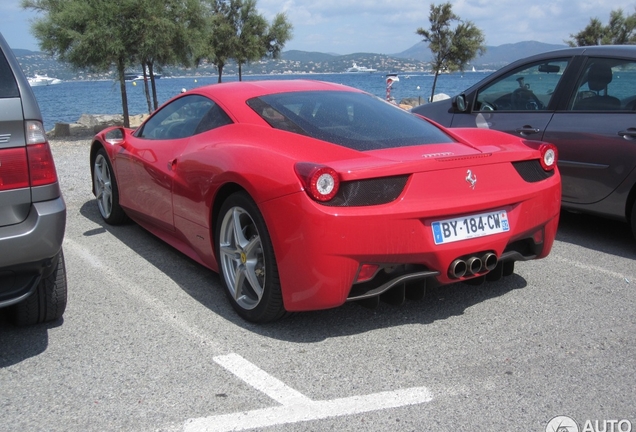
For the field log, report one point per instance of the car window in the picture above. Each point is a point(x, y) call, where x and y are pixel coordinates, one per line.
point(8, 86)
point(350, 119)
point(184, 117)
point(606, 85)
point(529, 88)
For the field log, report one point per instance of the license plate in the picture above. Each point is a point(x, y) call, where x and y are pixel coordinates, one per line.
point(464, 228)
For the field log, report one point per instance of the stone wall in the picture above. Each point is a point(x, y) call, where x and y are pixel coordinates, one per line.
point(90, 124)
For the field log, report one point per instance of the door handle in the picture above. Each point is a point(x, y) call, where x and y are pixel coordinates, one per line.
point(527, 130)
point(628, 134)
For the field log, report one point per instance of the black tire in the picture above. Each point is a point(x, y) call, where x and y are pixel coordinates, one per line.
point(633, 221)
point(247, 264)
point(106, 190)
point(48, 302)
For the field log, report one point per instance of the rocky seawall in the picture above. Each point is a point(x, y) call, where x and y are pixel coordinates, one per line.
point(90, 124)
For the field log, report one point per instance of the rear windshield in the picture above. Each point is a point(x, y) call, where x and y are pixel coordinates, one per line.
point(8, 86)
point(355, 120)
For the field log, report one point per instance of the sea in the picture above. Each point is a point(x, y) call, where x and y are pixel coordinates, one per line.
point(67, 101)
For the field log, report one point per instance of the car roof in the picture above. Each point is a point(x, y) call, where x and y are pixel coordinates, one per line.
point(595, 50)
point(248, 89)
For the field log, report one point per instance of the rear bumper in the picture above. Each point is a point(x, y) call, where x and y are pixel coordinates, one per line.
point(29, 250)
point(320, 250)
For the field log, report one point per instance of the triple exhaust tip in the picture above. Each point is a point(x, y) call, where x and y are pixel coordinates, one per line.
point(472, 265)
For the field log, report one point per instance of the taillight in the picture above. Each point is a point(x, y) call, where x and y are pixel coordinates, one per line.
point(321, 182)
point(31, 166)
point(35, 132)
point(41, 165)
point(548, 156)
point(14, 171)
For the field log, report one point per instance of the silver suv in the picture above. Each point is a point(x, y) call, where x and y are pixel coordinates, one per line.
point(32, 210)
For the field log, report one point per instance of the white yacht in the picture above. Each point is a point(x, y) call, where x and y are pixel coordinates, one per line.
point(42, 80)
point(356, 68)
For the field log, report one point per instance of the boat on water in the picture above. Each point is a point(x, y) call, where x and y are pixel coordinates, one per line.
point(136, 76)
point(42, 80)
point(356, 69)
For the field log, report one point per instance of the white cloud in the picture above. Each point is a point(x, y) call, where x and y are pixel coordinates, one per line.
point(348, 26)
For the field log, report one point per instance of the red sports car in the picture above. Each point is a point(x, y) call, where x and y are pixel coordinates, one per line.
point(304, 195)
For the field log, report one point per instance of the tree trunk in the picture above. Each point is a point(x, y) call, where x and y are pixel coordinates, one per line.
point(146, 89)
point(121, 67)
point(240, 72)
point(151, 69)
point(434, 85)
point(220, 68)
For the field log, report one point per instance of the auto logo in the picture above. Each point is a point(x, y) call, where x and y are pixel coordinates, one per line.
point(4, 138)
point(471, 178)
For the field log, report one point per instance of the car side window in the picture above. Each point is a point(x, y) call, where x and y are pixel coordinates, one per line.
point(8, 86)
point(529, 88)
point(606, 85)
point(184, 117)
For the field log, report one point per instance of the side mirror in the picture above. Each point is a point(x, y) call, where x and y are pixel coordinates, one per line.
point(115, 136)
point(459, 103)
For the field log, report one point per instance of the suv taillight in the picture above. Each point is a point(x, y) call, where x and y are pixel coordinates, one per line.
point(41, 165)
point(33, 166)
point(14, 171)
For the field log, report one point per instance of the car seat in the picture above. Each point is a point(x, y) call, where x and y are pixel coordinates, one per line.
point(598, 78)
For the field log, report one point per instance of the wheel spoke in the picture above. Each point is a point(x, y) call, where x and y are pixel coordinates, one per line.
point(239, 237)
point(106, 203)
point(239, 280)
point(251, 267)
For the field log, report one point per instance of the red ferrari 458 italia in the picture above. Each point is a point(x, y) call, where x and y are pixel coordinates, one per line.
point(303, 195)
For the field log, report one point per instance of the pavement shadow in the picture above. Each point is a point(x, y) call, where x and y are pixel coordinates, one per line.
point(21, 343)
point(204, 286)
point(596, 233)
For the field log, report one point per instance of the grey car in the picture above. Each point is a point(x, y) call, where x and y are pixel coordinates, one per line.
point(583, 100)
point(32, 210)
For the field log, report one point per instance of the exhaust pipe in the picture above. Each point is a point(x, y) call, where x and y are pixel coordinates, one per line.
point(457, 269)
point(473, 265)
point(489, 261)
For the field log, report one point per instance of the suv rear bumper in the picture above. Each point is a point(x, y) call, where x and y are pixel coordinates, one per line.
point(29, 250)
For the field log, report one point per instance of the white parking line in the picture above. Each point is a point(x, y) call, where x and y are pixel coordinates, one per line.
point(131, 288)
point(295, 406)
point(592, 268)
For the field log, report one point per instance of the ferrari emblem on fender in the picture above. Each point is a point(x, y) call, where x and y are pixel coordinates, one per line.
point(471, 178)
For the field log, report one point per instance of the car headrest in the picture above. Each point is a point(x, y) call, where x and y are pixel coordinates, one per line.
point(599, 76)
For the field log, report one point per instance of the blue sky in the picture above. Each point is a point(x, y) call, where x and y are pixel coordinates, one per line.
point(351, 26)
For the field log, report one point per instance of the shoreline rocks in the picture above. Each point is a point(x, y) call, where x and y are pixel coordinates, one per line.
point(90, 124)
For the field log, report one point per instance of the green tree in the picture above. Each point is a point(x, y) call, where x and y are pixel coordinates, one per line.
point(167, 32)
point(100, 34)
point(621, 30)
point(91, 34)
point(220, 37)
point(452, 47)
point(279, 33)
point(250, 30)
point(237, 31)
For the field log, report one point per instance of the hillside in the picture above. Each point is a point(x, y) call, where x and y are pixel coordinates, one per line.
point(494, 57)
point(412, 60)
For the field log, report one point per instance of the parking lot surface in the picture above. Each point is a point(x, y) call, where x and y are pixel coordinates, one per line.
point(149, 343)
